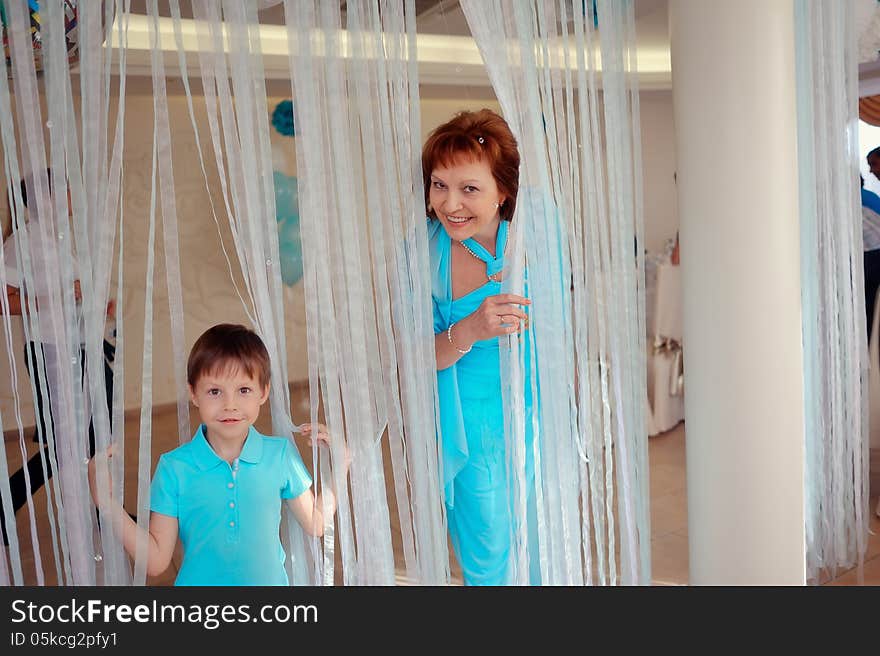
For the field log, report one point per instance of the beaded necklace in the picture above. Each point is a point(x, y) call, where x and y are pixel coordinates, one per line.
point(491, 262)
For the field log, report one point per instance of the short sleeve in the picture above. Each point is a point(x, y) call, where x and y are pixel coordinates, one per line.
point(164, 491)
point(296, 477)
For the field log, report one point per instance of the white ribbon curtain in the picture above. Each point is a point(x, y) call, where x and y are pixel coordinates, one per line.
point(571, 100)
point(56, 246)
point(834, 329)
point(371, 358)
point(234, 86)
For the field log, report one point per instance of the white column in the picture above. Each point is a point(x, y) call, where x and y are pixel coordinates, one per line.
point(733, 70)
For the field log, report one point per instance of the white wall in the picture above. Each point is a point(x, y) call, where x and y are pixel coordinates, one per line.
point(658, 168)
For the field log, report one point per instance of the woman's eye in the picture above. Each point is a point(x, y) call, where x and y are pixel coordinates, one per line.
point(438, 185)
point(469, 189)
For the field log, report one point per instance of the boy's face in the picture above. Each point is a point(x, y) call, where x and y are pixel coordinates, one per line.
point(228, 402)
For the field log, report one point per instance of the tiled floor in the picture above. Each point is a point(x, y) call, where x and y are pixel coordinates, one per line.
point(669, 533)
point(669, 548)
point(669, 536)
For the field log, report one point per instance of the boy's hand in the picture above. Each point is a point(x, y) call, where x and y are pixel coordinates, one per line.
point(322, 435)
point(104, 458)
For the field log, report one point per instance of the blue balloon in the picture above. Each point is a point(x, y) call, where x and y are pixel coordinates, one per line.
point(291, 262)
point(288, 230)
point(282, 118)
point(287, 218)
point(286, 196)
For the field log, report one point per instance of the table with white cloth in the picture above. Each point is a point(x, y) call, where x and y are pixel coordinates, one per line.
point(665, 361)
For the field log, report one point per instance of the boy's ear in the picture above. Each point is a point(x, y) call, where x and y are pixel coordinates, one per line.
point(265, 394)
point(192, 395)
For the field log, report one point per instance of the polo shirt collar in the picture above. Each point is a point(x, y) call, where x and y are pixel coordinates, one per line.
point(206, 458)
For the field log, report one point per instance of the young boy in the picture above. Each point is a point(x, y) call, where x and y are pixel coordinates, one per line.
point(222, 491)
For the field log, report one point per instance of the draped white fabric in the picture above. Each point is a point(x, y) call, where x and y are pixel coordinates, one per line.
point(834, 329)
point(235, 102)
point(54, 250)
point(366, 273)
point(354, 81)
point(571, 100)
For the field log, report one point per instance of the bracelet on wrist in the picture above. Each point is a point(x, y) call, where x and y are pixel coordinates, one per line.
point(449, 337)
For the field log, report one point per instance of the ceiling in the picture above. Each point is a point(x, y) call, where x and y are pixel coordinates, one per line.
point(448, 57)
point(445, 17)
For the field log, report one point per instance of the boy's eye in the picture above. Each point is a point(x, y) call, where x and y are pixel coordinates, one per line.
point(214, 391)
point(245, 390)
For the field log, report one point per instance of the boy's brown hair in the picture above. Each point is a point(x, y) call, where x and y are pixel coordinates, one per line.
point(226, 347)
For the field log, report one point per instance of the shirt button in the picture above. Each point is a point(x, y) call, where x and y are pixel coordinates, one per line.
point(231, 504)
point(230, 485)
point(231, 524)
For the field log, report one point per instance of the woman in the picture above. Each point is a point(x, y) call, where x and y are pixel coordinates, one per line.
point(471, 172)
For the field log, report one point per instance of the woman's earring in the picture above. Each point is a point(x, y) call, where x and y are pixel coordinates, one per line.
point(497, 205)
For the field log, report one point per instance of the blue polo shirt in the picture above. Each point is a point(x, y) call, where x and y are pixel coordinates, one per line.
point(229, 515)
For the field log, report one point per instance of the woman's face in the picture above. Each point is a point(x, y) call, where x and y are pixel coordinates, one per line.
point(464, 197)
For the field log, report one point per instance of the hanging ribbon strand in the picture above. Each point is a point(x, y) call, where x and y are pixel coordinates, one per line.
point(365, 261)
point(63, 266)
point(577, 218)
point(834, 331)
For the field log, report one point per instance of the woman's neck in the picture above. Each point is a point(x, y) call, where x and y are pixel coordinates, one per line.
point(487, 238)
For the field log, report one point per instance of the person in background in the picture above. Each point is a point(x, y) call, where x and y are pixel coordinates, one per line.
point(871, 217)
point(24, 302)
point(873, 159)
point(871, 250)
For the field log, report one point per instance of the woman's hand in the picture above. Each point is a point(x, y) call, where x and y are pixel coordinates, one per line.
point(497, 315)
